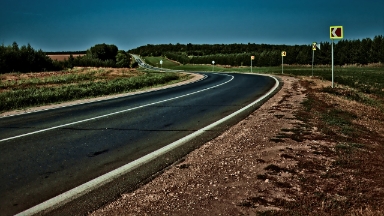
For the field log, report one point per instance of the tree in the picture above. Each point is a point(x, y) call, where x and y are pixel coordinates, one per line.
point(365, 54)
point(123, 59)
point(104, 52)
point(15, 47)
point(71, 61)
point(377, 49)
point(24, 59)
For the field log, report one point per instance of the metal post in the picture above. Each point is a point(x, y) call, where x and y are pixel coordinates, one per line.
point(251, 65)
point(313, 54)
point(332, 63)
point(282, 64)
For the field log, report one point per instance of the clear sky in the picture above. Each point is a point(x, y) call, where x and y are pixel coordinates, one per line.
point(72, 25)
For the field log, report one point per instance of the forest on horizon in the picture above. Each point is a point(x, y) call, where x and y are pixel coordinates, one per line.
point(361, 52)
point(358, 51)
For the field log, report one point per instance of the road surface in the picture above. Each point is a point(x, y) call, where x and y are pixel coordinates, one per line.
point(46, 153)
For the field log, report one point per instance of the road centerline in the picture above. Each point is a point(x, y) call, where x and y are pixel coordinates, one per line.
point(115, 113)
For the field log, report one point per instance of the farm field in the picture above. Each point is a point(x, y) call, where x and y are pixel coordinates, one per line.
point(63, 57)
point(23, 90)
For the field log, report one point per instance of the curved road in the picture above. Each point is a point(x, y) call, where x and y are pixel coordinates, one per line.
point(46, 153)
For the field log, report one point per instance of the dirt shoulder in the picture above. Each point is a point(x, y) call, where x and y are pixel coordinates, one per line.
point(281, 160)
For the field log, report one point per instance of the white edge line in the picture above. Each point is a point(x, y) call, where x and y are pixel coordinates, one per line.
point(83, 189)
point(114, 113)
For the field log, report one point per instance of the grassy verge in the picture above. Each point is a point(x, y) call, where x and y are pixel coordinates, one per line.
point(19, 92)
point(155, 61)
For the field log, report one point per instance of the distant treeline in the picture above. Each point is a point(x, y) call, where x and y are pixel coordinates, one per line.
point(345, 52)
point(27, 59)
point(100, 55)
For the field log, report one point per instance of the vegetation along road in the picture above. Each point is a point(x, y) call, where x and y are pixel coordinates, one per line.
point(47, 153)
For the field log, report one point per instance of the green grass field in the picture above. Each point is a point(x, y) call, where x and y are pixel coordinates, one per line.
point(365, 79)
point(155, 61)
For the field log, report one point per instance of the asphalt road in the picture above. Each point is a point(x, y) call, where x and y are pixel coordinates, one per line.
point(46, 153)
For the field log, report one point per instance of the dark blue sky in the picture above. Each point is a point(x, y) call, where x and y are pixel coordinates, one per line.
point(71, 25)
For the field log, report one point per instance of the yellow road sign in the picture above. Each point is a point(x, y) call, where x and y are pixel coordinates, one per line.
point(336, 32)
point(253, 57)
point(283, 53)
point(314, 46)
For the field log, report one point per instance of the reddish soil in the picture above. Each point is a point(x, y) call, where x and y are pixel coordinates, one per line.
point(63, 57)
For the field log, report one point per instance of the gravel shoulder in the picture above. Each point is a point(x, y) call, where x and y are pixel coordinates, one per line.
point(228, 174)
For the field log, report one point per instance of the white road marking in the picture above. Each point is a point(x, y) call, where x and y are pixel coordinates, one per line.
point(83, 189)
point(334, 32)
point(114, 113)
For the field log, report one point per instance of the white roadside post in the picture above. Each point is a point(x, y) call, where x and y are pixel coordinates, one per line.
point(313, 54)
point(161, 63)
point(252, 58)
point(283, 53)
point(213, 66)
point(336, 32)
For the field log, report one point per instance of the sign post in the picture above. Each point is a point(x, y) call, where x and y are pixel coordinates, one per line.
point(283, 53)
point(252, 58)
point(161, 63)
point(213, 66)
point(313, 54)
point(336, 32)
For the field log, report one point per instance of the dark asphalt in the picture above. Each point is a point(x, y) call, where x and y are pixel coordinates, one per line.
point(37, 167)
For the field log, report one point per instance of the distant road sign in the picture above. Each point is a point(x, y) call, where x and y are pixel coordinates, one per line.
point(161, 61)
point(253, 57)
point(213, 62)
point(336, 32)
point(283, 53)
point(314, 46)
